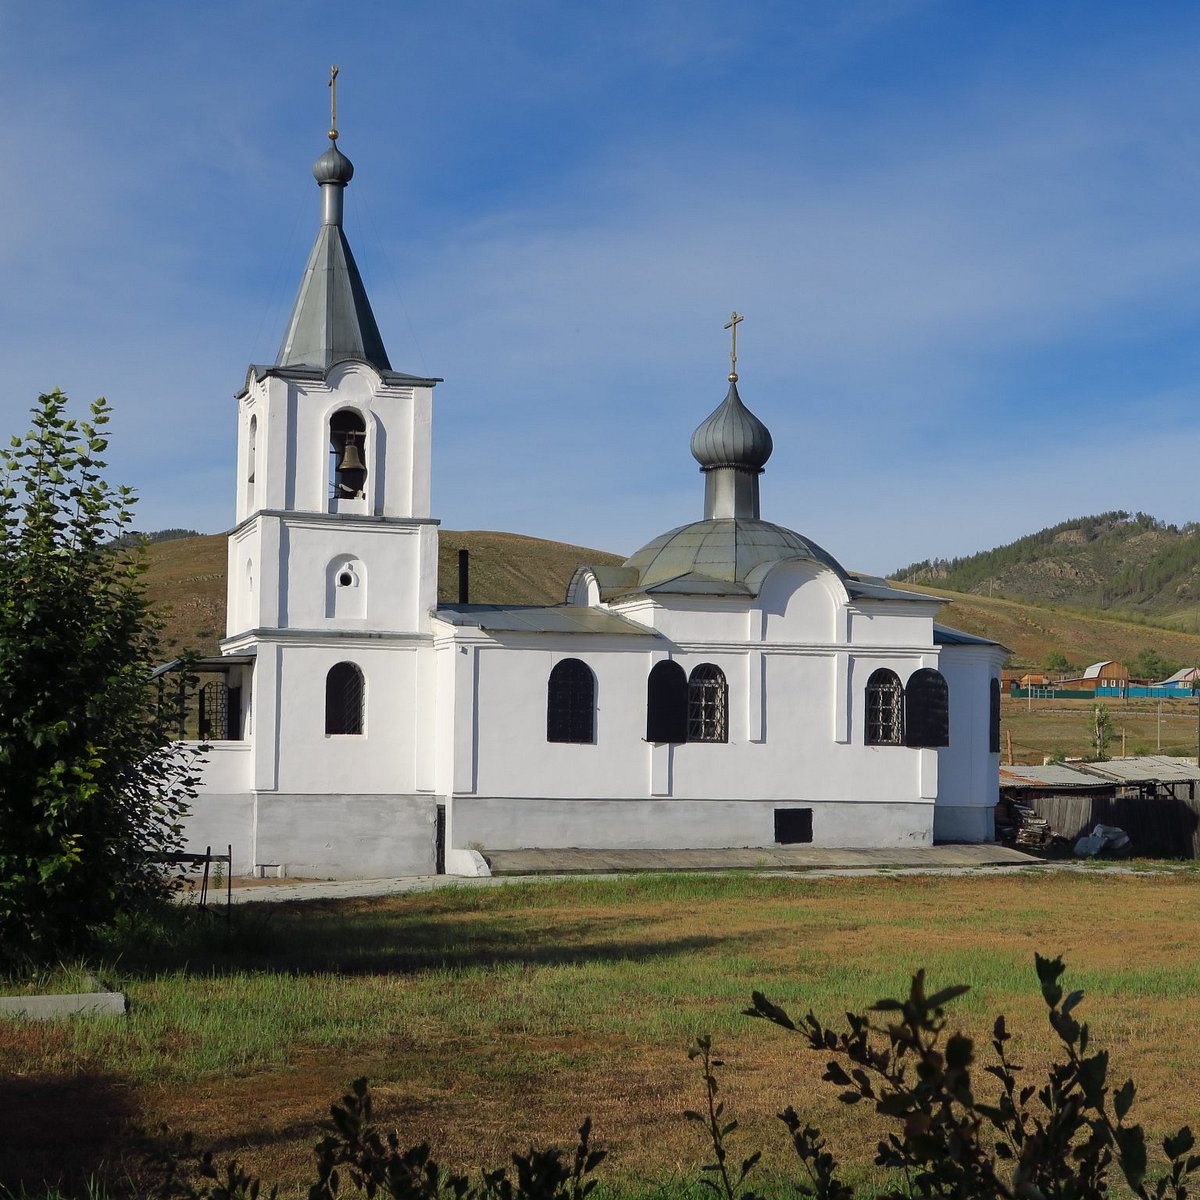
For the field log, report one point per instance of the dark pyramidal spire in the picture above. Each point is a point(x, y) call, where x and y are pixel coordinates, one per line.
point(332, 320)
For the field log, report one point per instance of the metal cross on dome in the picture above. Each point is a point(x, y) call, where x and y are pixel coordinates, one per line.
point(333, 133)
point(734, 320)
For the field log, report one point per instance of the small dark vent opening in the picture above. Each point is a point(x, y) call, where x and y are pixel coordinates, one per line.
point(793, 825)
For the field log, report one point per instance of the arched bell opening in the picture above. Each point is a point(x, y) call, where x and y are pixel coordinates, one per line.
point(347, 458)
point(251, 462)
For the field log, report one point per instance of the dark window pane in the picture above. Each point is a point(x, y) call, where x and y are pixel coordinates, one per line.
point(885, 708)
point(666, 703)
point(994, 719)
point(571, 703)
point(344, 699)
point(926, 709)
point(708, 699)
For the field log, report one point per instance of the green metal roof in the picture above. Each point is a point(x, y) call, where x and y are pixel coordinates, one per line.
point(537, 618)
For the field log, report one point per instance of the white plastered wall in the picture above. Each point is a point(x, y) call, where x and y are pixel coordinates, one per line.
point(968, 772)
point(507, 782)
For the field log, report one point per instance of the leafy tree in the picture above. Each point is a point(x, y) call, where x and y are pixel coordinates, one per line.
point(1149, 664)
point(1056, 661)
point(89, 786)
point(1101, 730)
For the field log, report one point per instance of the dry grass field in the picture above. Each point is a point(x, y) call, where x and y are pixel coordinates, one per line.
point(487, 1018)
point(1043, 728)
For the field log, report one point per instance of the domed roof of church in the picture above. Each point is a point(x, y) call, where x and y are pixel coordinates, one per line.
point(731, 436)
point(724, 550)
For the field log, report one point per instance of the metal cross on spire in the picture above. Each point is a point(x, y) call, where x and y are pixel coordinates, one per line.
point(732, 325)
point(333, 133)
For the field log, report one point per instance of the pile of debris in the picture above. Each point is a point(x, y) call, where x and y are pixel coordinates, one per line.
point(1105, 841)
point(1018, 825)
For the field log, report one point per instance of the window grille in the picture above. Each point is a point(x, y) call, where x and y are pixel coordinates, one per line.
point(344, 699)
point(666, 703)
point(885, 709)
point(994, 719)
point(214, 712)
point(708, 701)
point(926, 709)
point(571, 703)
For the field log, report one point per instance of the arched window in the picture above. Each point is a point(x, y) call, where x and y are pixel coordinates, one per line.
point(885, 709)
point(666, 703)
point(571, 703)
point(347, 455)
point(926, 709)
point(994, 719)
point(251, 460)
point(708, 703)
point(344, 699)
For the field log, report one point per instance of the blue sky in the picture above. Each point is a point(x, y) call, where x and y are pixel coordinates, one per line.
point(966, 238)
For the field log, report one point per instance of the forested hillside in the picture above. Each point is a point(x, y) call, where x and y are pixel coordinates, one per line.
point(1115, 562)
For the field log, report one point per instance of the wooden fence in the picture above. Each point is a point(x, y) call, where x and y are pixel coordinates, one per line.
point(1161, 826)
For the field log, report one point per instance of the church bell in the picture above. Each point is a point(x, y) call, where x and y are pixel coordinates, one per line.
point(352, 459)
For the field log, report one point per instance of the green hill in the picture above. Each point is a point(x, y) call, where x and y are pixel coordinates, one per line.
point(1032, 632)
point(187, 577)
point(1116, 563)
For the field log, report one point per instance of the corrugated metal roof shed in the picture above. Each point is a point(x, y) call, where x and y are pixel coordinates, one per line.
point(1049, 775)
point(1147, 769)
point(1152, 768)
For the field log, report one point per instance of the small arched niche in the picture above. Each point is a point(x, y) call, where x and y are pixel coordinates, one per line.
point(347, 460)
point(345, 588)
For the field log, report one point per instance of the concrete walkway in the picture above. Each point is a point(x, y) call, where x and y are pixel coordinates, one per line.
point(776, 858)
point(532, 865)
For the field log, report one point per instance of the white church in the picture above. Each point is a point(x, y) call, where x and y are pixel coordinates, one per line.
point(730, 685)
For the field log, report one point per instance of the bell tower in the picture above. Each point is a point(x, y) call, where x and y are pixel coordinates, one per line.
point(333, 457)
point(333, 577)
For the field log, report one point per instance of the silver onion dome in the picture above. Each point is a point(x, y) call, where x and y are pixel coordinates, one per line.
point(732, 436)
point(333, 167)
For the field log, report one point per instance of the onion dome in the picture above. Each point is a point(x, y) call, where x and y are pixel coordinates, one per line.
point(333, 167)
point(732, 436)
